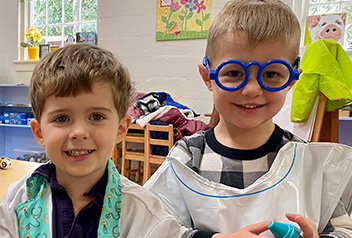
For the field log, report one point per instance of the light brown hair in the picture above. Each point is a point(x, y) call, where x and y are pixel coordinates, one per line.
point(260, 21)
point(75, 69)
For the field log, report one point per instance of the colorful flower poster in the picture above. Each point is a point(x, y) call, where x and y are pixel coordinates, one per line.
point(182, 19)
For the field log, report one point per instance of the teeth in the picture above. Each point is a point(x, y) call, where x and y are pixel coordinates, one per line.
point(251, 106)
point(78, 153)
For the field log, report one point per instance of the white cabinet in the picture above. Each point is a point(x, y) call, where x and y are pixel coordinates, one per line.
point(13, 99)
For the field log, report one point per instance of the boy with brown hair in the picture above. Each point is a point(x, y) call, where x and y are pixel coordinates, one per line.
point(80, 95)
point(246, 170)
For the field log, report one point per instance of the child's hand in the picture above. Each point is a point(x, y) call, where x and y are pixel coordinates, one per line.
point(250, 231)
point(307, 226)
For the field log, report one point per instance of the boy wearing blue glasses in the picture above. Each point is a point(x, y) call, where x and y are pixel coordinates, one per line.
point(246, 170)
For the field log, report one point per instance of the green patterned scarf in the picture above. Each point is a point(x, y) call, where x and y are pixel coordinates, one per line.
point(32, 215)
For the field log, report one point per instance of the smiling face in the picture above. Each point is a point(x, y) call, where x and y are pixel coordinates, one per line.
point(80, 132)
point(250, 107)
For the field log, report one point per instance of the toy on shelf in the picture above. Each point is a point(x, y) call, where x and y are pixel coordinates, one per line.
point(4, 162)
point(283, 230)
point(39, 158)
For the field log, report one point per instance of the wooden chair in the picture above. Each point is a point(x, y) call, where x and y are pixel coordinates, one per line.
point(156, 159)
point(144, 158)
point(326, 125)
point(136, 135)
point(116, 155)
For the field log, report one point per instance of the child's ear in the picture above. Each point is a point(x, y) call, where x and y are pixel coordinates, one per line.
point(203, 71)
point(123, 128)
point(37, 132)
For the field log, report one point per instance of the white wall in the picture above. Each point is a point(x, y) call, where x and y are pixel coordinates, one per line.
point(127, 28)
point(8, 40)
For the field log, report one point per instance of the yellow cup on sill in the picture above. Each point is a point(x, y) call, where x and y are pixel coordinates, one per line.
point(33, 52)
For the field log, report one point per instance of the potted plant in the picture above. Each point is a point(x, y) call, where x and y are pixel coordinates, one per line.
point(33, 37)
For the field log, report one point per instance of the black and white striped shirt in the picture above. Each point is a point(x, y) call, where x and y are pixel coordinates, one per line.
point(240, 168)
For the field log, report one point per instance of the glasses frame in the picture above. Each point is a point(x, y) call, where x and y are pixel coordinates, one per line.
point(214, 74)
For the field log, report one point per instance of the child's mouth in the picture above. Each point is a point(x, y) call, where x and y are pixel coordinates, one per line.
point(78, 152)
point(250, 106)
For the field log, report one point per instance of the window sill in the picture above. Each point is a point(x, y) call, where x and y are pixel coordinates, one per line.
point(24, 69)
point(25, 65)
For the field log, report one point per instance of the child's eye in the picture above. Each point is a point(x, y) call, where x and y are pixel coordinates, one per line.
point(97, 117)
point(234, 73)
point(270, 74)
point(61, 119)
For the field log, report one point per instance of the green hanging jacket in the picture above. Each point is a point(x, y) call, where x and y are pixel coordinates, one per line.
point(327, 69)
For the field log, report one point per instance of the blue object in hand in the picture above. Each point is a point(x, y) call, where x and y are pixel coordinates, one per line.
point(283, 230)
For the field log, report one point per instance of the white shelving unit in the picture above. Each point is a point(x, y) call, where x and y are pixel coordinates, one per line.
point(15, 98)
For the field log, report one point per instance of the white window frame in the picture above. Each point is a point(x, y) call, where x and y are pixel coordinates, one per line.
point(300, 7)
point(23, 25)
point(26, 10)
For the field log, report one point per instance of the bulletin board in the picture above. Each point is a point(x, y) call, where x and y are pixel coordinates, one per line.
point(182, 19)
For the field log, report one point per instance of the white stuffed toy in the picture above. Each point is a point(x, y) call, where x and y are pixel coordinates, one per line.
point(4, 162)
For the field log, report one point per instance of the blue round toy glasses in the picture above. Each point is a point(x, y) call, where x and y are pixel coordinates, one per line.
point(273, 75)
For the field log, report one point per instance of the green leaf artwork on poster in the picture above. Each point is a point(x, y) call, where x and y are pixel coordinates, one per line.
point(182, 19)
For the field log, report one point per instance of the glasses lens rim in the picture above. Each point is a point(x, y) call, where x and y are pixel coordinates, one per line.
point(225, 69)
point(285, 83)
point(292, 73)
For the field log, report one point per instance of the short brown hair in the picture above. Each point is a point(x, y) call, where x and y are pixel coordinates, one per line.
point(260, 21)
point(74, 69)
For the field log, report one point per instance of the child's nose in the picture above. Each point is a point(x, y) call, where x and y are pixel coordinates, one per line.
point(252, 87)
point(79, 132)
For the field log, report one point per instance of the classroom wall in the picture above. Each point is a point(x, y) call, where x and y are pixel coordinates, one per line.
point(127, 28)
point(8, 40)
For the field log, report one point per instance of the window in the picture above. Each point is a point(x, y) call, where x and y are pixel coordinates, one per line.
point(304, 8)
point(58, 19)
point(55, 20)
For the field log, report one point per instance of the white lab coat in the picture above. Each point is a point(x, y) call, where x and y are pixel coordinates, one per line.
point(308, 179)
point(142, 214)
